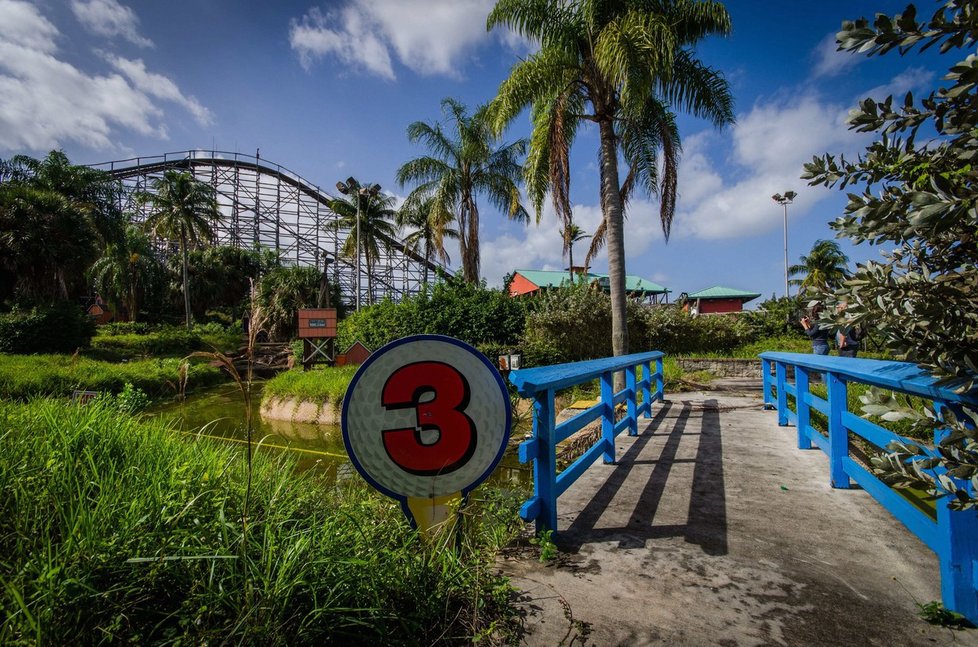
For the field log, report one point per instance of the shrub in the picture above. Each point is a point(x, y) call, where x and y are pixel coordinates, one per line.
point(61, 328)
point(472, 313)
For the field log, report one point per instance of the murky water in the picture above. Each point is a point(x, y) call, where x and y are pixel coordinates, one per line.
point(220, 412)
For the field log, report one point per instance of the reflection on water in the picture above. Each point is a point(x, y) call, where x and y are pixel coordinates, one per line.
point(220, 412)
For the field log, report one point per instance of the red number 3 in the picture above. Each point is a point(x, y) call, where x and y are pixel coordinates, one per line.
point(444, 412)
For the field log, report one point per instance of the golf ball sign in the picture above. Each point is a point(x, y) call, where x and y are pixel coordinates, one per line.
point(426, 417)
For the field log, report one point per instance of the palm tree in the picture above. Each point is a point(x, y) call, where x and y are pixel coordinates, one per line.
point(464, 164)
point(430, 229)
point(825, 267)
point(182, 209)
point(126, 269)
point(375, 229)
point(571, 234)
point(623, 65)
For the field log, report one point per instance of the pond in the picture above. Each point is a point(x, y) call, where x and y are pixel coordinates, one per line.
point(219, 412)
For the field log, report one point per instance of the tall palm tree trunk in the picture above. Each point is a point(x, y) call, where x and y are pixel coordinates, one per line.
point(613, 209)
point(570, 259)
point(186, 282)
point(470, 259)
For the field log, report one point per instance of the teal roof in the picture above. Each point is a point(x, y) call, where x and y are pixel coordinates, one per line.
point(551, 279)
point(720, 292)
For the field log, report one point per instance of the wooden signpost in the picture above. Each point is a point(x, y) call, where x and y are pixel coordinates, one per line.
point(317, 330)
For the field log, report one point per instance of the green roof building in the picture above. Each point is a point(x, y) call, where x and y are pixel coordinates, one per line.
point(719, 300)
point(532, 281)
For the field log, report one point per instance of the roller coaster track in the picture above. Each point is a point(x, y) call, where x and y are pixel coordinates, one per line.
point(267, 205)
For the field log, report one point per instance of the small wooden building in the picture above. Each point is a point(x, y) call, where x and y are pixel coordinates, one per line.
point(718, 300)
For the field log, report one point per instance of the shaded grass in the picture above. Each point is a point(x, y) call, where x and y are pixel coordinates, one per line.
point(318, 385)
point(113, 529)
point(165, 342)
point(28, 376)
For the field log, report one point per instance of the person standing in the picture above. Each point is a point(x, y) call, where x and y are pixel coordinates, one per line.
point(818, 336)
point(848, 338)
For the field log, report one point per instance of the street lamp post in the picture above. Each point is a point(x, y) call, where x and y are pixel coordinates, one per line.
point(352, 187)
point(784, 201)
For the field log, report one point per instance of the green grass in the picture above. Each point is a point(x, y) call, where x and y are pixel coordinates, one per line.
point(319, 385)
point(115, 529)
point(28, 376)
point(170, 341)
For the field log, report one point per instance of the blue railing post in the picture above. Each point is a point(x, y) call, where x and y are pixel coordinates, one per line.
point(545, 465)
point(802, 407)
point(781, 371)
point(632, 400)
point(766, 381)
point(608, 417)
point(958, 538)
point(647, 388)
point(660, 382)
point(838, 434)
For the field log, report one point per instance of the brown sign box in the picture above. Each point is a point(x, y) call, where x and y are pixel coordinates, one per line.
point(316, 323)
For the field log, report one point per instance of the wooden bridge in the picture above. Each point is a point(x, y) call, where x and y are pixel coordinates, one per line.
point(713, 528)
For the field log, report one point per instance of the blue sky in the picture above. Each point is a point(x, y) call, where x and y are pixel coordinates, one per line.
point(328, 89)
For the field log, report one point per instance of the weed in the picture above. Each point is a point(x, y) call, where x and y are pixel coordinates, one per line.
point(548, 549)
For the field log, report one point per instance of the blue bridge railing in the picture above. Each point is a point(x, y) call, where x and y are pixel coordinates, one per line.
point(952, 535)
point(541, 383)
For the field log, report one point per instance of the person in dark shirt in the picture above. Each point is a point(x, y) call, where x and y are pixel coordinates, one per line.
point(848, 337)
point(848, 340)
point(819, 336)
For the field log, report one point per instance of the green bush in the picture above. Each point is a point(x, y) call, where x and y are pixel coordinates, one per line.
point(675, 332)
point(61, 328)
point(472, 313)
point(115, 530)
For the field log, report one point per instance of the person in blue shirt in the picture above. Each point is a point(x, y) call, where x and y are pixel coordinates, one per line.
point(819, 336)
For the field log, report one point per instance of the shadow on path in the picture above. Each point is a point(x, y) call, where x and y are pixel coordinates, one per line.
point(706, 523)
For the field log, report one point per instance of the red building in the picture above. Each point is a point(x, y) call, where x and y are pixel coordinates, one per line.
point(718, 300)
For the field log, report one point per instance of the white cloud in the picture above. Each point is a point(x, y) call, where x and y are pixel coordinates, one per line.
point(428, 37)
point(159, 86)
point(22, 26)
point(770, 145)
point(829, 61)
point(45, 101)
point(910, 79)
point(108, 18)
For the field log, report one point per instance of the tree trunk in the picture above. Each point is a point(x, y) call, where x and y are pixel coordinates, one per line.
point(470, 262)
point(186, 282)
point(613, 210)
point(570, 258)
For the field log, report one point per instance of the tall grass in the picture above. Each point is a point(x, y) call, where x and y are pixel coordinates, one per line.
point(113, 529)
point(328, 384)
point(27, 376)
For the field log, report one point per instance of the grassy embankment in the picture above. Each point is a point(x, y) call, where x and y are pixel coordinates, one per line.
point(115, 529)
point(319, 385)
point(29, 376)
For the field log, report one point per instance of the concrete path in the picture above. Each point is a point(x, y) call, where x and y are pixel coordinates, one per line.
point(714, 529)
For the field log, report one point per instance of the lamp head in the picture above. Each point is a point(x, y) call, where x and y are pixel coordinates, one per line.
point(342, 188)
point(789, 195)
point(776, 197)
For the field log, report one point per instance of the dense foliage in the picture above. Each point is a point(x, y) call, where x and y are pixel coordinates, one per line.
point(117, 530)
point(283, 290)
point(59, 328)
point(467, 311)
point(918, 199)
